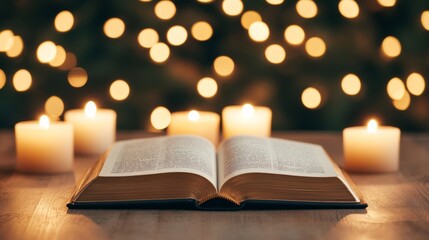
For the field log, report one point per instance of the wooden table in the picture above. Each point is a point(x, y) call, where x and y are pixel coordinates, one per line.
point(34, 206)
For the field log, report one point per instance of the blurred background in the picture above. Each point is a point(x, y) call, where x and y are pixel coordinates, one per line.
point(319, 65)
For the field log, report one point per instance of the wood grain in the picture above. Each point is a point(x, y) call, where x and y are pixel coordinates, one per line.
point(33, 206)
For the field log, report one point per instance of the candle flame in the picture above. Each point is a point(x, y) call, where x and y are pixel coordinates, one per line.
point(193, 115)
point(90, 109)
point(372, 126)
point(44, 122)
point(247, 110)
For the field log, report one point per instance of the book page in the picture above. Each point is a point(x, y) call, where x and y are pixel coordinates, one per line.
point(181, 153)
point(247, 154)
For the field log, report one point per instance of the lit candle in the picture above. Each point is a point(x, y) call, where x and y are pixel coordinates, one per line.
point(94, 129)
point(246, 120)
point(371, 149)
point(44, 147)
point(204, 124)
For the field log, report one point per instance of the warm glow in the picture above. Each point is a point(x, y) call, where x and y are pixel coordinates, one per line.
point(311, 98)
point(250, 17)
point(54, 106)
point(148, 37)
point(416, 84)
point(306, 8)
point(90, 109)
point(159, 52)
point(70, 62)
point(387, 3)
point(294, 34)
point(160, 118)
point(114, 28)
point(44, 122)
point(165, 10)
point(64, 21)
point(77, 77)
point(315, 47)
point(391, 47)
point(194, 115)
point(60, 57)
point(177, 35)
point(223, 66)
point(119, 90)
point(205, 1)
point(403, 103)
point(425, 20)
point(46, 51)
point(348, 8)
point(275, 2)
point(22, 80)
point(207, 87)
point(259, 31)
point(232, 7)
point(202, 31)
point(6, 40)
point(2, 79)
point(351, 84)
point(395, 88)
point(17, 47)
point(247, 110)
point(372, 126)
point(275, 54)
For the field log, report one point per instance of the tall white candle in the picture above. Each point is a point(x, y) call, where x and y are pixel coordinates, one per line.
point(44, 147)
point(371, 149)
point(204, 124)
point(94, 129)
point(246, 120)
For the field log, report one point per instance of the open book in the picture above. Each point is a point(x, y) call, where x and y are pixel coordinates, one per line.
point(185, 171)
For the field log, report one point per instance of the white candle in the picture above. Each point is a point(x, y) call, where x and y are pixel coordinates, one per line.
point(204, 124)
point(44, 147)
point(371, 148)
point(94, 129)
point(246, 120)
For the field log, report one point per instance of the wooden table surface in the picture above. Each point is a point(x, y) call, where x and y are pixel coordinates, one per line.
point(34, 206)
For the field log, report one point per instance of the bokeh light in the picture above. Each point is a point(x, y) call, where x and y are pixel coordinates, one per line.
point(232, 7)
point(64, 21)
point(207, 87)
point(275, 2)
point(351, 84)
point(148, 37)
point(275, 54)
point(194, 115)
point(60, 57)
point(425, 20)
point(403, 103)
point(177, 35)
point(114, 27)
point(348, 8)
point(77, 77)
point(205, 1)
point(294, 34)
point(202, 31)
point(416, 84)
point(70, 62)
point(250, 17)
point(259, 31)
point(2, 79)
point(22, 80)
point(391, 47)
point(17, 47)
point(387, 3)
point(54, 106)
point(119, 90)
point(315, 47)
point(165, 10)
point(306, 8)
point(160, 118)
point(395, 88)
point(311, 98)
point(46, 51)
point(159, 52)
point(6, 40)
point(223, 65)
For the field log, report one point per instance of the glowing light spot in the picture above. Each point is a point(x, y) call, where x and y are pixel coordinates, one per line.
point(148, 37)
point(294, 34)
point(351, 84)
point(403, 103)
point(177, 35)
point(165, 10)
point(387, 3)
point(145, 0)
point(275, 54)
point(306, 8)
point(114, 28)
point(22, 80)
point(159, 52)
point(44, 122)
point(348, 8)
point(223, 65)
point(416, 84)
point(64, 21)
point(54, 106)
point(247, 110)
point(425, 20)
point(70, 62)
point(46, 51)
point(202, 31)
point(315, 47)
point(259, 31)
point(205, 1)
point(2, 79)
point(60, 57)
point(119, 90)
point(17, 47)
point(250, 17)
point(372, 126)
point(6, 40)
point(311, 98)
point(207, 87)
point(90, 109)
point(275, 2)
point(395, 88)
point(160, 118)
point(391, 47)
point(232, 7)
point(194, 115)
point(77, 77)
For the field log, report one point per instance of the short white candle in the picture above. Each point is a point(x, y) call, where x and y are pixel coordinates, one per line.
point(44, 147)
point(246, 120)
point(371, 149)
point(94, 129)
point(204, 124)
